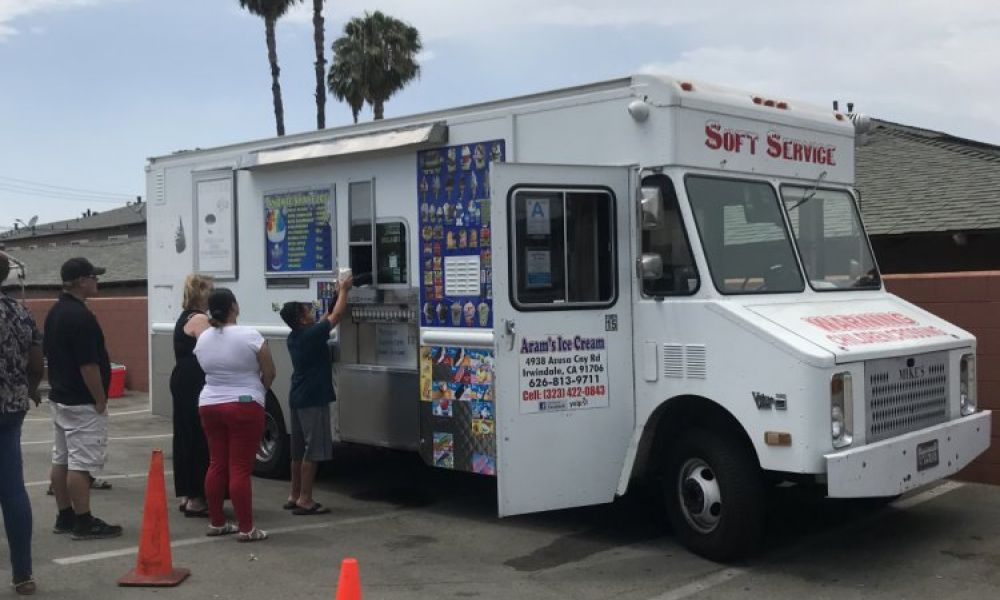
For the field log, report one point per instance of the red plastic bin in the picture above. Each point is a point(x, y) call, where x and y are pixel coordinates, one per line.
point(117, 387)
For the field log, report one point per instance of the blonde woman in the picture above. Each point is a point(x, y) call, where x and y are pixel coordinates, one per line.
point(186, 381)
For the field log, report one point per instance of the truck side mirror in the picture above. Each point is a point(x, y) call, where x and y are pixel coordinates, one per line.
point(650, 266)
point(650, 207)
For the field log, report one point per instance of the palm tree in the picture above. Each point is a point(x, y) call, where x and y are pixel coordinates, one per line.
point(320, 64)
point(345, 84)
point(271, 11)
point(377, 54)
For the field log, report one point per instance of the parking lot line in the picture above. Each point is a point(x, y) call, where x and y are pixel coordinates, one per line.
point(720, 577)
point(120, 476)
point(82, 558)
point(112, 439)
point(934, 492)
point(111, 414)
point(700, 585)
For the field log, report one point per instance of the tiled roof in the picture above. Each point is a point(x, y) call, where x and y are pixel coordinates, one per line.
point(920, 181)
point(116, 217)
point(124, 260)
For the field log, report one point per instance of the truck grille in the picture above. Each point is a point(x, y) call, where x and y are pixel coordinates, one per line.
point(905, 394)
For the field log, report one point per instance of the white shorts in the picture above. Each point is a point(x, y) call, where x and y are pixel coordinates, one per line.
point(81, 442)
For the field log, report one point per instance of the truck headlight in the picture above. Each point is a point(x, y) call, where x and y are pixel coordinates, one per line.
point(841, 410)
point(967, 384)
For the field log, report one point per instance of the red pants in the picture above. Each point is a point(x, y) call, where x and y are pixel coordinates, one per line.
point(233, 431)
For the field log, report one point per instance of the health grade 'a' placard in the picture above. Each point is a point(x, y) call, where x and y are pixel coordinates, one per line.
point(563, 373)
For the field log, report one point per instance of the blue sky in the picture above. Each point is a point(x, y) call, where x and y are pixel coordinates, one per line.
point(90, 88)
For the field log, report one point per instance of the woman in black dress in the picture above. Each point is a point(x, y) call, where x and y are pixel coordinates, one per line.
point(186, 381)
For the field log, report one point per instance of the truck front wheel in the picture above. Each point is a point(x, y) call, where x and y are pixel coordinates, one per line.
point(714, 495)
point(274, 450)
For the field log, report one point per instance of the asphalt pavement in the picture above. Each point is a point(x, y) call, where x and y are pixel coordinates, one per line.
point(420, 532)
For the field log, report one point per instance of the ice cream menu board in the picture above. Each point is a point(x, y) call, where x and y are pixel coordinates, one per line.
point(298, 232)
point(456, 285)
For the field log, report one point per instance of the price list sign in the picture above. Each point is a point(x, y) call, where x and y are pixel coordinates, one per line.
point(298, 232)
point(560, 373)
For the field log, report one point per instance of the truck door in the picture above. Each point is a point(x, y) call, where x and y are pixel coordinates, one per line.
point(562, 302)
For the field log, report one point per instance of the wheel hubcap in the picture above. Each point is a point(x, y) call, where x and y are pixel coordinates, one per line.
point(699, 495)
point(268, 441)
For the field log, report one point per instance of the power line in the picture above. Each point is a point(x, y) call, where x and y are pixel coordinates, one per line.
point(62, 196)
point(61, 187)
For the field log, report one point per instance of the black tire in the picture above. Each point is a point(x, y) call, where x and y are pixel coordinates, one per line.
point(273, 454)
point(714, 495)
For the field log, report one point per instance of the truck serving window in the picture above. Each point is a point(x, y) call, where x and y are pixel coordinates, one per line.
point(669, 239)
point(563, 248)
point(831, 241)
point(744, 236)
point(361, 208)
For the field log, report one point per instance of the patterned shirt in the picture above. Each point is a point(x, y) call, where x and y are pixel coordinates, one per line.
point(17, 334)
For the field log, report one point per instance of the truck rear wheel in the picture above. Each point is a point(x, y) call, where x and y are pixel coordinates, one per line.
point(273, 454)
point(714, 495)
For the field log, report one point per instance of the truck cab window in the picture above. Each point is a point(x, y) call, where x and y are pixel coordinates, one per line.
point(832, 243)
point(744, 236)
point(670, 241)
point(563, 248)
point(361, 208)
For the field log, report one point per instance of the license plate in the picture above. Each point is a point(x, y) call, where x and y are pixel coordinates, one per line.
point(927, 455)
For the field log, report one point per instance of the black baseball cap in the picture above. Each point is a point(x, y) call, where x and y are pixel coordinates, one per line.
point(76, 268)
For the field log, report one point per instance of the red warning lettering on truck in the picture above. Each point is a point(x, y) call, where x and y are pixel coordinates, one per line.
point(738, 141)
point(872, 328)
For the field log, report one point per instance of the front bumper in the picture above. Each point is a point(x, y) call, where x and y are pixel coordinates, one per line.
point(889, 467)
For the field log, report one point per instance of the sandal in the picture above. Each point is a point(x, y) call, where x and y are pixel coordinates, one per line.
point(227, 529)
point(254, 535)
point(315, 509)
point(26, 587)
point(289, 505)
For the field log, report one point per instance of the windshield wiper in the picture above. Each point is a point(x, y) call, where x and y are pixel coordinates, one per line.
point(810, 193)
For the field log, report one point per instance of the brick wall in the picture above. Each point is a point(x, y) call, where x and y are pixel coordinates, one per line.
point(971, 301)
point(124, 321)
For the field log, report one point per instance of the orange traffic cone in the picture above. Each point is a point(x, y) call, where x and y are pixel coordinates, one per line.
point(349, 585)
point(154, 566)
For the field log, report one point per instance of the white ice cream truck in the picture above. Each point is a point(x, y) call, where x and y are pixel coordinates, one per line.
point(570, 291)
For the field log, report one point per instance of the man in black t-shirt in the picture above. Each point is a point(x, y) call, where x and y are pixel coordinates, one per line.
point(79, 374)
point(310, 395)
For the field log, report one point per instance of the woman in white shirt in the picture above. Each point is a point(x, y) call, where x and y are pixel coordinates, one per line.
point(238, 372)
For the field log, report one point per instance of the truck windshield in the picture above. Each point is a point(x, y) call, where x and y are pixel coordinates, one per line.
point(831, 241)
point(744, 236)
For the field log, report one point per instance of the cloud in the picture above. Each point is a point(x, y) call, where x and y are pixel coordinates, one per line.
point(924, 67)
point(11, 10)
point(912, 61)
point(447, 19)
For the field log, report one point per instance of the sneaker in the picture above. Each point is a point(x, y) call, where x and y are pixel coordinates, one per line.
point(25, 587)
point(98, 530)
point(227, 529)
point(254, 535)
point(64, 525)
